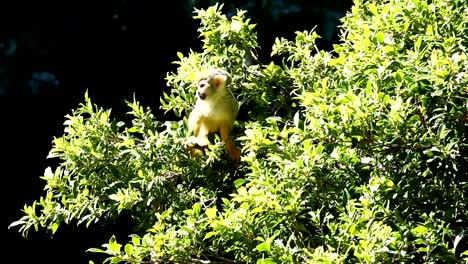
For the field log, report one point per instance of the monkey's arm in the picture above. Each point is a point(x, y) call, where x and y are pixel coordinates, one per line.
point(202, 136)
point(196, 124)
point(192, 141)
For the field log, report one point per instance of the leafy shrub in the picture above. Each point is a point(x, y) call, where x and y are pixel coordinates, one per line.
point(355, 155)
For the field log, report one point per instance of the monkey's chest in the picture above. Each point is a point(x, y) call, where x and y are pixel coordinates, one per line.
point(214, 115)
point(213, 123)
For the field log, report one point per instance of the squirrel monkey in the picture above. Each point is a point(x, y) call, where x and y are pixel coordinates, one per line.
point(215, 110)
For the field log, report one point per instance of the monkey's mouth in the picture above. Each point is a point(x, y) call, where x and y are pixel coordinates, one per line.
point(202, 96)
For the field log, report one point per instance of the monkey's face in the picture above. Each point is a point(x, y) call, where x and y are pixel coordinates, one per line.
point(212, 85)
point(204, 89)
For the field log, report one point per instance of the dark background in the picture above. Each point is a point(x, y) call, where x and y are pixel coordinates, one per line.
point(51, 52)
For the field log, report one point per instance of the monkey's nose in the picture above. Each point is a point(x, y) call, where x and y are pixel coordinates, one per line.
point(202, 95)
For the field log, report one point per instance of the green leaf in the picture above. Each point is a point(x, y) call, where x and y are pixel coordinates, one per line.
point(48, 174)
point(54, 227)
point(437, 92)
point(114, 260)
point(380, 36)
point(95, 250)
point(140, 174)
point(457, 239)
point(406, 26)
point(128, 249)
point(18, 222)
point(136, 240)
point(239, 182)
point(429, 30)
point(211, 212)
point(133, 129)
point(116, 197)
point(210, 234)
point(324, 83)
point(180, 55)
point(266, 261)
point(263, 247)
point(352, 230)
point(196, 209)
point(296, 119)
point(113, 246)
point(373, 9)
point(420, 230)
point(166, 213)
point(418, 42)
point(236, 26)
point(226, 202)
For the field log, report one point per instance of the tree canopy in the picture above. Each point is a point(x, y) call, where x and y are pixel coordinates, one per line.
point(355, 155)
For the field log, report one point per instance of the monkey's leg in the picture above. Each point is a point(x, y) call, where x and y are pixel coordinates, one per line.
point(225, 131)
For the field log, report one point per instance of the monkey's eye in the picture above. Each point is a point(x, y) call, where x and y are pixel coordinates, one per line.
point(202, 85)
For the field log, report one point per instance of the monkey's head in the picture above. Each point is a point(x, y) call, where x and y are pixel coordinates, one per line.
point(212, 83)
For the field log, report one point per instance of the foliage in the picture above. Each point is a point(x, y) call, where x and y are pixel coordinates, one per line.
point(355, 155)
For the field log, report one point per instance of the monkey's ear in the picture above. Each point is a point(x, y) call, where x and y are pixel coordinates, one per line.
point(219, 80)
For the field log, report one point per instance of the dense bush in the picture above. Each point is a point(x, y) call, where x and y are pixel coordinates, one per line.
point(355, 155)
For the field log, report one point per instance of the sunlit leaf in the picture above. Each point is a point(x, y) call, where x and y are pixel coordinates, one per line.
point(211, 212)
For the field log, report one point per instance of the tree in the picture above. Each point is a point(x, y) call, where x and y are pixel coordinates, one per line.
point(354, 155)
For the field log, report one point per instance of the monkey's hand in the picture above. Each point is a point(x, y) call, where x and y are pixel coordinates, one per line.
point(193, 146)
